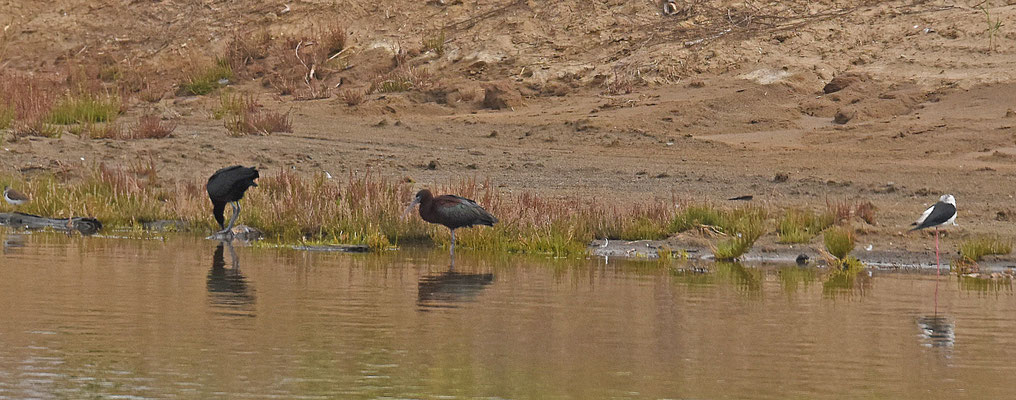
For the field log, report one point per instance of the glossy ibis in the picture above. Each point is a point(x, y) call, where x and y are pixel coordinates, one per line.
point(451, 211)
point(228, 185)
point(941, 213)
point(14, 197)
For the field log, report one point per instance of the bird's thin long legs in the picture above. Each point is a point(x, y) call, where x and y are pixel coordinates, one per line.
point(452, 249)
point(232, 220)
point(938, 264)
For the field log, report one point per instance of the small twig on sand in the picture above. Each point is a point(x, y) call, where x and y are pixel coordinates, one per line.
point(338, 54)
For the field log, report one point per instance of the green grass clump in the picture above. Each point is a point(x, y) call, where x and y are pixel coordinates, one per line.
point(800, 226)
point(206, 80)
point(84, 108)
point(973, 250)
point(696, 215)
point(435, 43)
point(843, 278)
point(839, 241)
point(231, 104)
point(744, 230)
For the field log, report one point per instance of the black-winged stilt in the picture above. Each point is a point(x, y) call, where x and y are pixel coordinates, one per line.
point(941, 213)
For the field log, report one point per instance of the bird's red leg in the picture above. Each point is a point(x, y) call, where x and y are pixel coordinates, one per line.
point(938, 264)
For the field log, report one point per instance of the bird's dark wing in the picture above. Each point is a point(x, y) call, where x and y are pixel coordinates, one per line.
point(937, 214)
point(229, 184)
point(460, 211)
point(223, 172)
point(16, 195)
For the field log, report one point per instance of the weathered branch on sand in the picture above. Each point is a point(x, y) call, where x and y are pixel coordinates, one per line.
point(85, 225)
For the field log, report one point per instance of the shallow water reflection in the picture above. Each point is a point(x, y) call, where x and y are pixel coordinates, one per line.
point(227, 288)
point(445, 289)
point(103, 318)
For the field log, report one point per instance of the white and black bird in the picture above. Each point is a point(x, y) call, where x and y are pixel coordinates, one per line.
point(14, 197)
point(941, 213)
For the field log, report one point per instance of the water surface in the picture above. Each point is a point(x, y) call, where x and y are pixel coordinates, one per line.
point(185, 318)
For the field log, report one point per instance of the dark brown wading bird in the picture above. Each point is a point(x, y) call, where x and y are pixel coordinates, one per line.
point(228, 185)
point(451, 211)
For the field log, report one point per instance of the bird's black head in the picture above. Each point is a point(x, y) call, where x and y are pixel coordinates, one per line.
point(253, 181)
point(422, 195)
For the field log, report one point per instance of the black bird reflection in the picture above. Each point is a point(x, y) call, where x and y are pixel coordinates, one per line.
point(446, 289)
point(227, 288)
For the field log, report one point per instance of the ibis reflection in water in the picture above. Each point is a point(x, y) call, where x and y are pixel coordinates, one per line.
point(452, 211)
point(446, 289)
point(228, 288)
point(228, 185)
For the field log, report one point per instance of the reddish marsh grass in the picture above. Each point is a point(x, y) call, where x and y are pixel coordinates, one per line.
point(367, 209)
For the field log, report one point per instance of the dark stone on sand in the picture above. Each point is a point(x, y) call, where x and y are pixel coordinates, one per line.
point(840, 82)
point(802, 259)
point(842, 117)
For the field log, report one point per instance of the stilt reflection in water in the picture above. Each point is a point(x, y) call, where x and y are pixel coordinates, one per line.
point(937, 330)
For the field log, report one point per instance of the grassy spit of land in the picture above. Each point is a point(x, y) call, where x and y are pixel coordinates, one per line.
point(367, 209)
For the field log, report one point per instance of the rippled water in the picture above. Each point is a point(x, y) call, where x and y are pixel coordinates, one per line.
point(183, 318)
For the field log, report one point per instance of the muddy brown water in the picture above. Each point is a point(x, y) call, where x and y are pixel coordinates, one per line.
point(182, 318)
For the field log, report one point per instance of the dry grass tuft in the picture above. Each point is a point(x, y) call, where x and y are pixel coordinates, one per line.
point(245, 116)
point(400, 79)
point(247, 48)
point(352, 97)
point(108, 130)
point(151, 127)
point(839, 210)
point(865, 210)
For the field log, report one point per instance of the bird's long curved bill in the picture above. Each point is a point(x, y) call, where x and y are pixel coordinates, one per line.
point(410, 208)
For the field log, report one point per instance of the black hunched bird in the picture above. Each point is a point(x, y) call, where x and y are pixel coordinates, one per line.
point(228, 185)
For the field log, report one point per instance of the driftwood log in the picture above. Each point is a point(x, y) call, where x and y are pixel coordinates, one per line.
point(85, 225)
